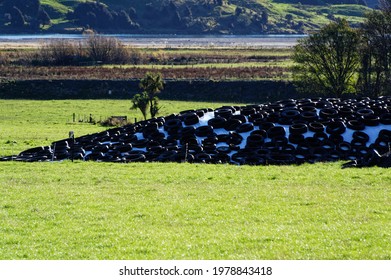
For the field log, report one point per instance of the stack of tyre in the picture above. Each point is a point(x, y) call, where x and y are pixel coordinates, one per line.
point(284, 132)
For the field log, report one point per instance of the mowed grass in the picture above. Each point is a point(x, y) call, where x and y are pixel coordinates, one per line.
point(89, 210)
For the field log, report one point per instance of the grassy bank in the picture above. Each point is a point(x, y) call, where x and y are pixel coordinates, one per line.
point(180, 211)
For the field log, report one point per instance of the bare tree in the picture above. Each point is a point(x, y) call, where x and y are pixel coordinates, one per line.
point(106, 49)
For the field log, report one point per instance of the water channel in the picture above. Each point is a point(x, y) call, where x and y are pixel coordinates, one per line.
point(167, 41)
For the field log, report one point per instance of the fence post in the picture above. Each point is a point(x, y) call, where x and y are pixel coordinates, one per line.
point(72, 136)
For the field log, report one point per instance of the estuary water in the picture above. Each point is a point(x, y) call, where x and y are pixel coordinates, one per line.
point(166, 41)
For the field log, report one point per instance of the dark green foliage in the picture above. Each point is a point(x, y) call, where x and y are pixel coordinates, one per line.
point(93, 14)
point(151, 85)
point(339, 60)
point(375, 72)
point(23, 14)
point(141, 101)
point(174, 16)
point(265, 17)
point(324, 2)
point(327, 61)
point(123, 20)
point(98, 16)
point(238, 11)
point(43, 17)
point(372, 3)
point(29, 8)
point(17, 18)
point(132, 13)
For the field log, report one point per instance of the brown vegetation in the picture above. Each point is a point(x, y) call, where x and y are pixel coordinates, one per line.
point(61, 59)
point(121, 73)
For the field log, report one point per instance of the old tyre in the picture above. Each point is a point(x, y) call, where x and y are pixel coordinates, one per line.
point(296, 138)
point(361, 137)
point(232, 124)
point(245, 127)
point(191, 119)
point(355, 125)
point(276, 131)
point(217, 122)
point(223, 112)
point(385, 118)
point(316, 127)
point(370, 120)
point(336, 127)
point(202, 158)
point(299, 128)
point(328, 113)
point(204, 131)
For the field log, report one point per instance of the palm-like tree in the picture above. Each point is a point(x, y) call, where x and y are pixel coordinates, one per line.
point(152, 84)
point(141, 101)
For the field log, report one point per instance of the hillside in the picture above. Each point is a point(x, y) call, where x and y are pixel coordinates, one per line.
point(178, 16)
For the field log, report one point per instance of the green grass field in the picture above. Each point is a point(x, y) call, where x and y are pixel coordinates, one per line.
point(88, 210)
point(29, 123)
point(181, 211)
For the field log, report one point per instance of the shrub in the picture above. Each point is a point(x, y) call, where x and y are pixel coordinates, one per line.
point(59, 52)
point(106, 50)
point(114, 121)
point(96, 49)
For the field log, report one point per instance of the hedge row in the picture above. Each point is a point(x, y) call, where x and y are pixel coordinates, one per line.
point(226, 91)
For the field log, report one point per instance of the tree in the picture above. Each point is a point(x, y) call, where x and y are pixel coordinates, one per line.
point(375, 72)
point(264, 17)
point(289, 18)
point(327, 61)
point(238, 11)
point(94, 14)
point(106, 50)
point(141, 101)
point(151, 84)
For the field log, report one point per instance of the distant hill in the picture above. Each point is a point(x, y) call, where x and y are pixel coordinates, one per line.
point(178, 16)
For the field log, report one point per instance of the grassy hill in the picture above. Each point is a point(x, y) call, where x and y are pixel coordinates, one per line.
point(199, 17)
